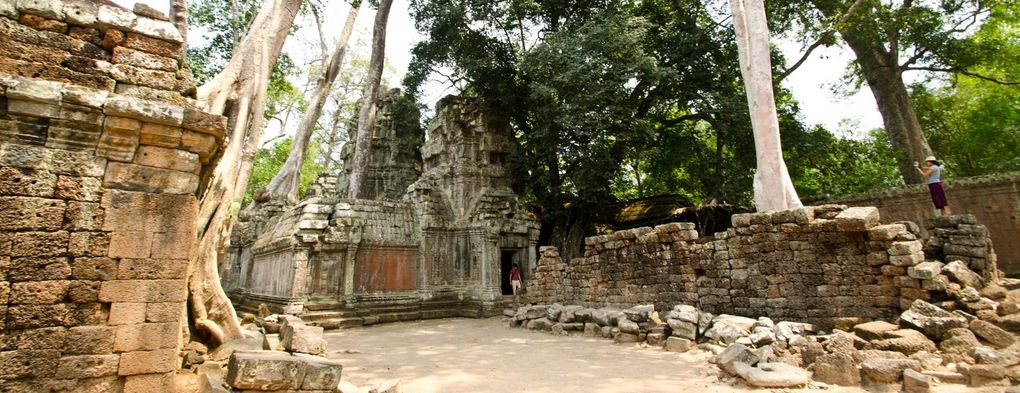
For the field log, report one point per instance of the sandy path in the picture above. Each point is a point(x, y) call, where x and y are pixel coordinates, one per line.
point(483, 355)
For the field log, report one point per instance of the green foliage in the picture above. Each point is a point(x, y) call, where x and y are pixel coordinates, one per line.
point(270, 159)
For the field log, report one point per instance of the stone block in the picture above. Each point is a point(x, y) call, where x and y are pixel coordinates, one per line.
point(161, 135)
point(126, 313)
point(148, 362)
point(734, 354)
point(81, 13)
point(995, 335)
point(143, 291)
point(88, 366)
point(35, 90)
point(63, 135)
point(117, 145)
point(142, 9)
point(886, 371)
point(303, 338)
point(113, 16)
point(836, 369)
point(132, 177)
point(37, 316)
point(39, 244)
point(151, 269)
point(207, 123)
point(904, 248)
point(677, 344)
point(38, 269)
point(204, 145)
point(931, 319)
point(857, 219)
point(173, 159)
point(83, 216)
point(145, 336)
point(43, 24)
point(85, 340)
point(170, 245)
point(31, 214)
point(160, 382)
point(959, 272)
point(164, 312)
point(160, 29)
point(32, 110)
point(130, 244)
point(38, 292)
point(152, 45)
point(265, 370)
point(915, 382)
point(150, 111)
point(45, 338)
point(8, 9)
point(132, 57)
point(28, 364)
point(925, 270)
point(320, 373)
point(84, 96)
point(83, 291)
point(88, 244)
point(160, 80)
point(886, 232)
point(27, 182)
point(86, 189)
point(906, 260)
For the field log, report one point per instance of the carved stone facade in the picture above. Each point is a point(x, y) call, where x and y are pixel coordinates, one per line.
point(441, 249)
point(101, 156)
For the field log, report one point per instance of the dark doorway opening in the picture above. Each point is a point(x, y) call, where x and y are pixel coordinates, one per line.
point(506, 261)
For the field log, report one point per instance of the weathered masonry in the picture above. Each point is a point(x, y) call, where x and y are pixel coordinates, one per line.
point(993, 200)
point(812, 264)
point(100, 159)
point(441, 247)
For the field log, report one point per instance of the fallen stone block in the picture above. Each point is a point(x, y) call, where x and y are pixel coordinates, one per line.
point(983, 374)
point(677, 344)
point(836, 369)
point(773, 375)
point(947, 376)
point(995, 335)
point(925, 270)
point(265, 370)
point(874, 330)
point(905, 341)
point(736, 353)
point(886, 371)
point(683, 329)
point(540, 324)
point(320, 373)
point(625, 338)
point(959, 272)
point(915, 382)
point(271, 342)
point(931, 319)
point(303, 339)
point(857, 219)
point(684, 313)
point(629, 326)
point(639, 313)
point(958, 341)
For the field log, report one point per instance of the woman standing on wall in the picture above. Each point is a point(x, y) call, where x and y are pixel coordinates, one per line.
point(933, 174)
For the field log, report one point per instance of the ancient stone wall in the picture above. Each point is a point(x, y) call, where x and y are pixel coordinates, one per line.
point(811, 264)
point(993, 200)
point(97, 197)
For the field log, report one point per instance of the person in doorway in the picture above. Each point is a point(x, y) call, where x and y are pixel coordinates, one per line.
point(515, 278)
point(932, 173)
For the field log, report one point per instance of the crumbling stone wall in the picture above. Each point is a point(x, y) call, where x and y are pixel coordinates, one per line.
point(993, 200)
point(97, 197)
point(812, 264)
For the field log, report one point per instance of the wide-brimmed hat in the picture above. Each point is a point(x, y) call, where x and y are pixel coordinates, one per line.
point(930, 158)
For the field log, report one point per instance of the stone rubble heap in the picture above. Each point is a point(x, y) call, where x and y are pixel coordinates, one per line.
point(970, 338)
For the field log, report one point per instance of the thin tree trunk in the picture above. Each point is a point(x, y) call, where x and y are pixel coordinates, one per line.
point(238, 92)
point(773, 189)
point(286, 182)
point(366, 116)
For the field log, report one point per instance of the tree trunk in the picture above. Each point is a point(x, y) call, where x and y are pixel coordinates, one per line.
point(366, 116)
point(238, 92)
point(881, 69)
point(286, 182)
point(893, 100)
point(773, 189)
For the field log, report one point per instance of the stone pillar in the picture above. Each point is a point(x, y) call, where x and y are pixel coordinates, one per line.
point(97, 197)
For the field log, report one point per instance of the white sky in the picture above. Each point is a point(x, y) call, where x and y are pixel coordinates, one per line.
point(811, 84)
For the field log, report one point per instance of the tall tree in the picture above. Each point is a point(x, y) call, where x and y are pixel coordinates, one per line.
point(366, 116)
point(239, 93)
point(891, 38)
point(773, 189)
point(285, 183)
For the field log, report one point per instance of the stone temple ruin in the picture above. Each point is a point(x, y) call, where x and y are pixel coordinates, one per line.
point(102, 154)
point(436, 239)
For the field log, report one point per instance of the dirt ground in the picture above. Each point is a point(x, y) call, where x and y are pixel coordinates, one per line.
point(484, 355)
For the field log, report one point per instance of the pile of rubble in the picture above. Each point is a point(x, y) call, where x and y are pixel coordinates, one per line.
point(969, 337)
point(291, 360)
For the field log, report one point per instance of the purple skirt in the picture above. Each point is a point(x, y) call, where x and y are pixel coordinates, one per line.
point(938, 195)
